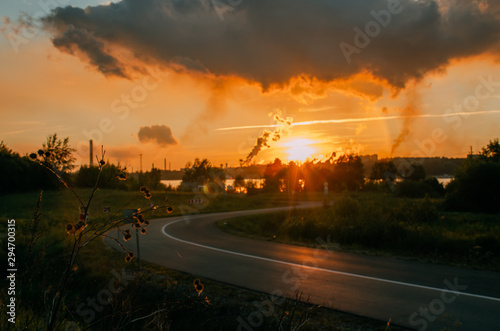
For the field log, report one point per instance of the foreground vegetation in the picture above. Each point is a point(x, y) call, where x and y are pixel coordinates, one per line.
point(381, 223)
point(61, 263)
point(153, 298)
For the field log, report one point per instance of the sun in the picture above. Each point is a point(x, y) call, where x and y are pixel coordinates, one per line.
point(300, 149)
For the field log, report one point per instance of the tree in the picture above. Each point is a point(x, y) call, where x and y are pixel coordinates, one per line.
point(274, 174)
point(201, 172)
point(347, 173)
point(475, 187)
point(383, 170)
point(110, 176)
point(492, 151)
point(152, 179)
point(239, 181)
point(416, 172)
point(19, 174)
point(251, 187)
point(57, 154)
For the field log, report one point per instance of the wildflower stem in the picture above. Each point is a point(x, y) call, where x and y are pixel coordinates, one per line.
point(56, 301)
point(64, 183)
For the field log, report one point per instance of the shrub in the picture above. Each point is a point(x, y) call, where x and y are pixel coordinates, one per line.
point(419, 189)
point(410, 189)
point(425, 211)
point(346, 207)
point(475, 188)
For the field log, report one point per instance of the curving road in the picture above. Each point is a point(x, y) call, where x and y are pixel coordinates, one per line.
point(416, 295)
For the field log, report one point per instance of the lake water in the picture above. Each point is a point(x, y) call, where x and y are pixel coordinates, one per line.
point(229, 182)
point(444, 180)
point(173, 182)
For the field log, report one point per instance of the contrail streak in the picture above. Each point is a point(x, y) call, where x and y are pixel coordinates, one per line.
point(365, 119)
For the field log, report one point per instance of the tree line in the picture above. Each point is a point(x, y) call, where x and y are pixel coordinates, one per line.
point(475, 187)
point(53, 163)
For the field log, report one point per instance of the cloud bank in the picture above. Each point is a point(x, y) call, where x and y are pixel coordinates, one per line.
point(272, 41)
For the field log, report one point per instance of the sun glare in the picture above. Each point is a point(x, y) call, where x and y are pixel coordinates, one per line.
point(300, 149)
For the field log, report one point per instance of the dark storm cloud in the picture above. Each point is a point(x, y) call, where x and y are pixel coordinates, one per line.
point(92, 47)
point(160, 134)
point(271, 41)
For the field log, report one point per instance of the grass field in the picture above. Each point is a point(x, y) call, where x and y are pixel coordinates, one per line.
point(62, 205)
point(381, 224)
point(165, 296)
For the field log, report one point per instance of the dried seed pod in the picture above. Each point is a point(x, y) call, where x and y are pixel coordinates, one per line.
point(70, 228)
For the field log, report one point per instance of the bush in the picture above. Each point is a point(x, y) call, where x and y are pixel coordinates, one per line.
point(346, 207)
point(410, 189)
point(434, 187)
point(20, 174)
point(419, 189)
point(376, 186)
point(425, 211)
point(475, 188)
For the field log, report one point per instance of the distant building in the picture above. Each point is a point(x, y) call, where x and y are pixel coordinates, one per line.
point(471, 155)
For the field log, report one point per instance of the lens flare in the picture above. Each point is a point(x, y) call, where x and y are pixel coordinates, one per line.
point(299, 149)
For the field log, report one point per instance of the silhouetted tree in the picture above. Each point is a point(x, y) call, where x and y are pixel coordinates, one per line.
point(57, 154)
point(274, 174)
point(492, 151)
point(251, 187)
point(383, 170)
point(416, 173)
point(201, 172)
point(347, 173)
point(20, 174)
point(152, 179)
point(475, 187)
point(239, 181)
point(110, 178)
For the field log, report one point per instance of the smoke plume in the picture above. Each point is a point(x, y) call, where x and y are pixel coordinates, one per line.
point(263, 141)
point(409, 115)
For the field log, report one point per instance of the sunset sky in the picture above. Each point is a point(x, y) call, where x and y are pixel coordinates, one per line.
point(204, 78)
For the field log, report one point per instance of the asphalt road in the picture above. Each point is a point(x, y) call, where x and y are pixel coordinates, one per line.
point(412, 294)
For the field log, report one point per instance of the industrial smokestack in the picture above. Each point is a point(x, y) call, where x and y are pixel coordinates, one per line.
point(91, 152)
